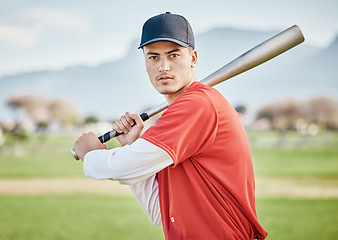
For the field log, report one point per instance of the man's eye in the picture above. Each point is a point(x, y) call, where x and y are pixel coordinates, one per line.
point(153, 57)
point(174, 55)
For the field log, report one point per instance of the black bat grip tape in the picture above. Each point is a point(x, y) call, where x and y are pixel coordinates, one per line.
point(105, 137)
point(111, 134)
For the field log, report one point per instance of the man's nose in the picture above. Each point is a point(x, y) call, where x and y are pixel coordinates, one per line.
point(164, 66)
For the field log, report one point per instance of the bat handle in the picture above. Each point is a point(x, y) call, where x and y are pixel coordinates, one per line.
point(74, 154)
point(111, 134)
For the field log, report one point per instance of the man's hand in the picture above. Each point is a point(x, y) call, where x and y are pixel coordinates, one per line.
point(86, 143)
point(126, 126)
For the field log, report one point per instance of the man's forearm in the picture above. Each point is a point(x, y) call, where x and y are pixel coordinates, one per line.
point(129, 164)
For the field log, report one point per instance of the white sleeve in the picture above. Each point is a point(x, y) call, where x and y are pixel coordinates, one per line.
point(129, 164)
point(146, 194)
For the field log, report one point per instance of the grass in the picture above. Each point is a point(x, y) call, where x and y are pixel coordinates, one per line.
point(41, 158)
point(74, 217)
point(292, 140)
point(294, 156)
point(321, 162)
point(297, 219)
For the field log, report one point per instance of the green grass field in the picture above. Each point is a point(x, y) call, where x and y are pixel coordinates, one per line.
point(312, 161)
point(47, 157)
point(85, 217)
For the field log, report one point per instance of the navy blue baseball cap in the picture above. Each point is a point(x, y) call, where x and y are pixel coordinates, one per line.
point(167, 27)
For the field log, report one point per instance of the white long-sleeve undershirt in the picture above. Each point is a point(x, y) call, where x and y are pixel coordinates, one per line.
point(146, 194)
point(135, 165)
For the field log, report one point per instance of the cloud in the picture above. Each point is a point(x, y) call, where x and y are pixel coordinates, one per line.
point(30, 23)
point(18, 35)
point(45, 17)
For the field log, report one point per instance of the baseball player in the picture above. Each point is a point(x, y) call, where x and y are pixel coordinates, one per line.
point(191, 172)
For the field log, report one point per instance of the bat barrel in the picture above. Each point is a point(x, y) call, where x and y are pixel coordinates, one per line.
point(159, 108)
point(263, 52)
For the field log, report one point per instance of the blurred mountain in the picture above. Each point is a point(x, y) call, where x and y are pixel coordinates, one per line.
point(111, 88)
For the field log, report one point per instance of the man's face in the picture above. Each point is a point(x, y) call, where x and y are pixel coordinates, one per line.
point(170, 67)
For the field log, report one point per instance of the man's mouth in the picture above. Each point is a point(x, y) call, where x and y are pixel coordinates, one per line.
point(164, 78)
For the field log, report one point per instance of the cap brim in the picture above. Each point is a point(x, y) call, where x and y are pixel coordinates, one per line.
point(183, 44)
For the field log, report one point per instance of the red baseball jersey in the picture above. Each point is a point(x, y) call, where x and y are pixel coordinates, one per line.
point(208, 193)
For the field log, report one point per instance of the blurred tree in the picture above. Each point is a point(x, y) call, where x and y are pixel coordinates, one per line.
point(42, 111)
point(11, 137)
point(91, 119)
point(35, 106)
point(285, 114)
point(324, 112)
point(282, 114)
point(241, 109)
point(65, 112)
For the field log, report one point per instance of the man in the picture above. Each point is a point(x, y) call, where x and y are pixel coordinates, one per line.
point(191, 171)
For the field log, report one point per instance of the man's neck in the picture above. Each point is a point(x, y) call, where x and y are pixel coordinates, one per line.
point(172, 97)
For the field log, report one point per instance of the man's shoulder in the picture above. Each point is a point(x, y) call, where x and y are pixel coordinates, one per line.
point(201, 93)
point(198, 86)
point(195, 99)
point(201, 88)
point(198, 94)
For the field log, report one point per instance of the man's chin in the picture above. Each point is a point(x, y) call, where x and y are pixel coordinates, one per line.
point(170, 90)
point(166, 91)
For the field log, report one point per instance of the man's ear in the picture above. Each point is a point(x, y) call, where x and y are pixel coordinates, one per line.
point(193, 58)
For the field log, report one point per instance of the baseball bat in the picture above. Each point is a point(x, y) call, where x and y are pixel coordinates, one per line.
point(259, 54)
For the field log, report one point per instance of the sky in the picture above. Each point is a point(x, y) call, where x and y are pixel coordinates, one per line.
point(51, 35)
